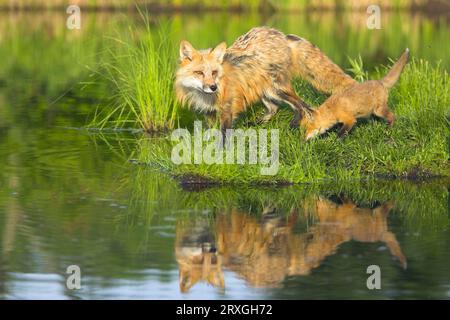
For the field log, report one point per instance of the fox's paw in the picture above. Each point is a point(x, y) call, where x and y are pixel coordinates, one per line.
point(264, 118)
point(294, 124)
point(260, 121)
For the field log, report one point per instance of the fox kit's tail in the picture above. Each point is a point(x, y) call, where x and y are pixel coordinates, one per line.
point(314, 66)
point(392, 77)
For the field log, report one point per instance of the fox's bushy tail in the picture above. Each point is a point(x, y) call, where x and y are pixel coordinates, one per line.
point(315, 67)
point(392, 76)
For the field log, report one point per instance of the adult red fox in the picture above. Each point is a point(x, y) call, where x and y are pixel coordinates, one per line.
point(359, 100)
point(259, 66)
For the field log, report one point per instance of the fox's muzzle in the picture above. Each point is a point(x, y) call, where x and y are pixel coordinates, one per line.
point(210, 88)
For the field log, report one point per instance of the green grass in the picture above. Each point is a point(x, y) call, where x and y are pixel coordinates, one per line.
point(141, 72)
point(416, 147)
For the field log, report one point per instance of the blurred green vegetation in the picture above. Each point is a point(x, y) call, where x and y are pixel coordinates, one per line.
point(219, 4)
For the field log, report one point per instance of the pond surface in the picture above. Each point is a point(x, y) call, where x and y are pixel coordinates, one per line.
point(69, 196)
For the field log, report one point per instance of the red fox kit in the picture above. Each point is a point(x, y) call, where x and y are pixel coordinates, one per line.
point(357, 101)
point(259, 66)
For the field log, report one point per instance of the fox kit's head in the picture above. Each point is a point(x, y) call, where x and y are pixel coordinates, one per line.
point(313, 125)
point(200, 69)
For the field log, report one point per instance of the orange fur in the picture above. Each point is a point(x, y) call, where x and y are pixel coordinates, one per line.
point(357, 101)
point(259, 66)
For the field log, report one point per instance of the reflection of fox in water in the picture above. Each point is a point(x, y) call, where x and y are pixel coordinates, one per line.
point(196, 256)
point(265, 252)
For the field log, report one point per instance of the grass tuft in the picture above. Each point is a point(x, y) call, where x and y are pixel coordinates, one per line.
point(141, 71)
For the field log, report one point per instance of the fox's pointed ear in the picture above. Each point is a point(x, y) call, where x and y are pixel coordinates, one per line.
point(219, 51)
point(186, 50)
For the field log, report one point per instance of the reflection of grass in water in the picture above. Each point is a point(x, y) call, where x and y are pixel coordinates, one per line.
point(155, 195)
point(414, 147)
point(421, 202)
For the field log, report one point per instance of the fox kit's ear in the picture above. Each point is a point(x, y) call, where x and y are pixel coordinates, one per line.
point(219, 51)
point(186, 50)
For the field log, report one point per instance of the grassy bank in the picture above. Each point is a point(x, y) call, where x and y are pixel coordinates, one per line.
point(416, 147)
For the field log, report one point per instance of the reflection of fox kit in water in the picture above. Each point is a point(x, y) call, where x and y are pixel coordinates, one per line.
point(357, 101)
point(259, 66)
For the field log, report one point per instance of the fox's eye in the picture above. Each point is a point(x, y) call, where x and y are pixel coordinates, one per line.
point(214, 73)
point(199, 73)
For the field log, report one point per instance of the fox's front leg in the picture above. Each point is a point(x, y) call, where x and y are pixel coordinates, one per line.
point(226, 122)
point(347, 125)
point(227, 116)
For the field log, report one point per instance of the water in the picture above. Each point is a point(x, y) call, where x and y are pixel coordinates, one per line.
point(69, 196)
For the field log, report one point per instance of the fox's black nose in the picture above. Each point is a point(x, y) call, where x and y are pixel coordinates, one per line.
point(213, 87)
